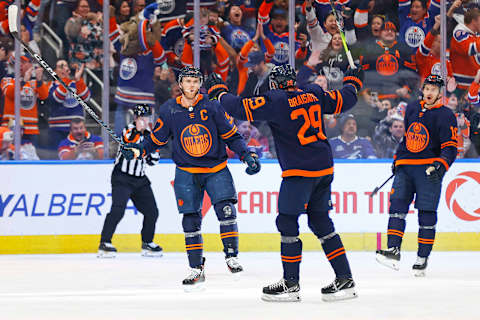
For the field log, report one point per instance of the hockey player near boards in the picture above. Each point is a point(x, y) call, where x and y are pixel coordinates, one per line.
point(130, 182)
point(295, 118)
point(427, 151)
point(200, 130)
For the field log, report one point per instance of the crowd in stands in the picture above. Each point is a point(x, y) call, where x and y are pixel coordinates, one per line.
point(397, 42)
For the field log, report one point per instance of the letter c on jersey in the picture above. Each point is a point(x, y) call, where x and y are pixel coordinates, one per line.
point(196, 140)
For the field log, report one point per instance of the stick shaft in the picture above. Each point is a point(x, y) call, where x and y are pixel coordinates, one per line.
point(342, 35)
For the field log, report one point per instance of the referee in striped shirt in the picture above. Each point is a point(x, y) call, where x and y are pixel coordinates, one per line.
point(130, 182)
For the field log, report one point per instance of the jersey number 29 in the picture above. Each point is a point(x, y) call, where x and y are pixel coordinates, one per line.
point(312, 118)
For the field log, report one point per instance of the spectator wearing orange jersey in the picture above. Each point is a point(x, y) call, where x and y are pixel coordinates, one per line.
point(465, 49)
point(80, 144)
point(428, 53)
point(32, 89)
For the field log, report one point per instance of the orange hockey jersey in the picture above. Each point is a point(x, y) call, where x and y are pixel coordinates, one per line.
point(465, 55)
point(29, 93)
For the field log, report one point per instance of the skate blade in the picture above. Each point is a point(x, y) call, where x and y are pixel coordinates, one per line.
point(345, 294)
point(106, 255)
point(236, 276)
point(419, 273)
point(198, 287)
point(286, 297)
point(150, 254)
point(390, 263)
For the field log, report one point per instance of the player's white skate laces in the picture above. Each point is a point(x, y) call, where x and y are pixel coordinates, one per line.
point(233, 265)
point(389, 258)
point(282, 291)
point(194, 281)
point(420, 267)
point(339, 289)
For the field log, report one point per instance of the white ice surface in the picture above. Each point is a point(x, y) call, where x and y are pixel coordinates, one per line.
point(80, 286)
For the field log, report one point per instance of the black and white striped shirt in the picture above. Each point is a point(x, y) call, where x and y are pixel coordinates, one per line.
point(132, 167)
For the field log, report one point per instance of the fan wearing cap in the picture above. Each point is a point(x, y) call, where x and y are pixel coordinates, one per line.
point(32, 89)
point(388, 64)
point(350, 146)
point(417, 17)
point(275, 27)
point(423, 157)
point(252, 58)
point(129, 181)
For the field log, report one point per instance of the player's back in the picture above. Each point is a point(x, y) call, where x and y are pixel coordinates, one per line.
point(300, 140)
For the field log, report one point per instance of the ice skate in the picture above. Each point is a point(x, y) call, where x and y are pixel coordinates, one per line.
point(106, 250)
point(389, 258)
point(339, 289)
point(195, 280)
point(420, 267)
point(151, 250)
point(234, 266)
point(282, 291)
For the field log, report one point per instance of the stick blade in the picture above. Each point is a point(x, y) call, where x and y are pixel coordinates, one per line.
point(12, 18)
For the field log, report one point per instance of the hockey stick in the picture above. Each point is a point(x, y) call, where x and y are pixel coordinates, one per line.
point(374, 192)
point(12, 24)
point(342, 35)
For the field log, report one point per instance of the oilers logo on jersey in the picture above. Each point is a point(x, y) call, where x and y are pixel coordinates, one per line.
point(196, 140)
point(281, 52)
point(128, 68)
point(70, 101)
point(165, 6)
point(178, 47)
point(417, 137)
point(436, 69)
point(387, 64)
point(239, 38)
point(27, 98)
point(414, 36)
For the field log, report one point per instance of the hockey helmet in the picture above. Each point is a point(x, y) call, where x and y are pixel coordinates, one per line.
point(142, 110)
point(192, 72)
point(282, 77)
point(435, 80)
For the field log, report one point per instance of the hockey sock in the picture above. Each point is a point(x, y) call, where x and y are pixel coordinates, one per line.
point(333, 247)
point(193, 239)
point(426, 233)
point(291, 246)
point(396, 229)
point(291, 251)
point(227, 215)
point(322, 226)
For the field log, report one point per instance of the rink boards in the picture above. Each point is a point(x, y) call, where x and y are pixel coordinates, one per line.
point(59, 207)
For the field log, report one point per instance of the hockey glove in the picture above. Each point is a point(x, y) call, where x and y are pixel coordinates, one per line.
point(435, 172)
point(132, 151)
point(152, 158)
point(251, 159)
point(354, 77)
point(215, 86)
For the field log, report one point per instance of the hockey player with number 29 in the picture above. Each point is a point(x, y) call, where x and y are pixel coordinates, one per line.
point(426, 152)
point(201, 129)
point(295, 118)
